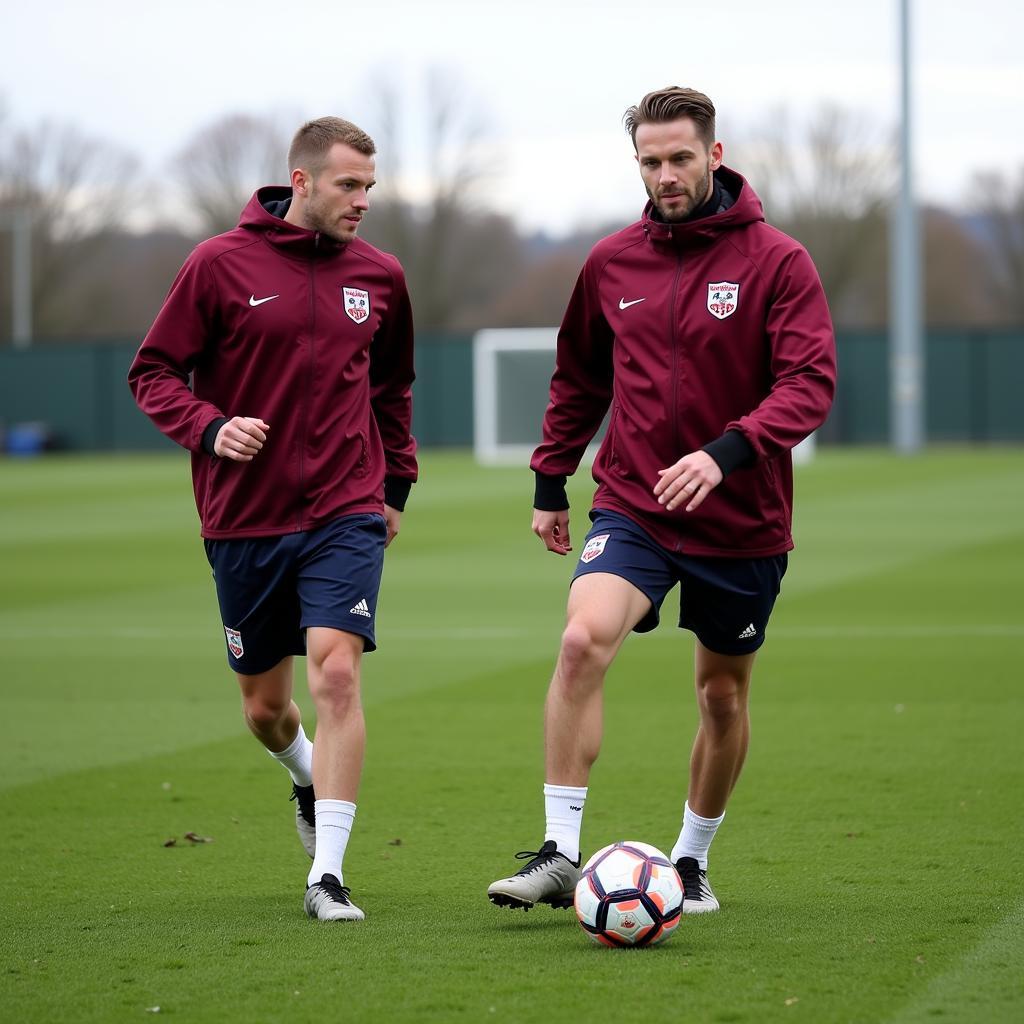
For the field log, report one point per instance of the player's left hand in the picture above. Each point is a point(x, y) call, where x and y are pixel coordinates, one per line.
point(691, 479)
point(393, 519)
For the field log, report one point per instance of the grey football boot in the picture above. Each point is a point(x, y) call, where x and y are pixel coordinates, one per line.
point(328, 900)
point(549, 877)
point(698, 896)
point(305, 817)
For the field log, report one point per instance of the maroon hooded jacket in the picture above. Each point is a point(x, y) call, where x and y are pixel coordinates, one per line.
point(710, 333)
point(311, 335)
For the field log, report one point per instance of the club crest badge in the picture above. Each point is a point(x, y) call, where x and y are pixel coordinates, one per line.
point(234, 642)
point(356, 303)
point(723, 298)
point(594, 547)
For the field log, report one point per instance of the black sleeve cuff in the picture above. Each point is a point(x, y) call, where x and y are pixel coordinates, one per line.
point(396, 491)
point(549, 493)
point(730, 451)
point(210, 434)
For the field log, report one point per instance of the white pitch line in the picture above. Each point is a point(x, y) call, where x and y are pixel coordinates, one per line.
point(897, 632)
point(152, 633)
point(879, 632)
point(967, 983)
point(872, 632)
point(512, 632)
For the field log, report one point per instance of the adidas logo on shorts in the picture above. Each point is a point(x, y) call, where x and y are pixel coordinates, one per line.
point(748, 633)
point(360, 609)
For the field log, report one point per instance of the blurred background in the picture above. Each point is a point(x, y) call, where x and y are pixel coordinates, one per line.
point(129, 132)
point(874, 827)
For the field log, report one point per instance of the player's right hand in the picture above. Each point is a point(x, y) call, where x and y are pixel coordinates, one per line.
point(241, 438)
point(553, 529)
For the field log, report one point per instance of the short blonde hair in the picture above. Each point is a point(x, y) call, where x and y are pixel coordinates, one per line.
point(314, 139)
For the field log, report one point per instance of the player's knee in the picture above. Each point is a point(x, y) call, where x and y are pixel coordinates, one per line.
point(722, 699)
point(334, 685)
point(263, 713)
point(582, 650)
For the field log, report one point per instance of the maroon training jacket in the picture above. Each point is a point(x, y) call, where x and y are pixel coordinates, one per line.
point(257, 316)
point(691, 331)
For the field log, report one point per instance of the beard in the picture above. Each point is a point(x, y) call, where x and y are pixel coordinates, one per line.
point(691, 199)
point(316, 217)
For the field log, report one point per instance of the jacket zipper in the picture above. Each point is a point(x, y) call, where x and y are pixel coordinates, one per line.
point(309, 378)
point(673, 333)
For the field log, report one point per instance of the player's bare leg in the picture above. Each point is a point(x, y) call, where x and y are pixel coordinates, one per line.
point(274, 719)
point(333, 666)
point(719, 750)
point(603, 608)
point(270, 713)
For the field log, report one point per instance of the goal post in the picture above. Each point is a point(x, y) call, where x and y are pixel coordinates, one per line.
point(804, 451)
point(512, 368)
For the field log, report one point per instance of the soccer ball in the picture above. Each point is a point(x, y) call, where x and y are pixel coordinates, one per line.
point(629, 895)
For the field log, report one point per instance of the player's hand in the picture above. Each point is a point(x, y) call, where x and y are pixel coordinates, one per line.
point(393, 519)
point(691, 479)
point(553, 529)
point(241, 438)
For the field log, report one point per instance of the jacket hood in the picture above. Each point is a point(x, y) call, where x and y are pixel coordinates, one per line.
point(745, 208)
point(265, 213)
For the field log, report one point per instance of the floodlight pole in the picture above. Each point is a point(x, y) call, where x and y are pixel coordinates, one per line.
point(20, 223)
point(906, 347)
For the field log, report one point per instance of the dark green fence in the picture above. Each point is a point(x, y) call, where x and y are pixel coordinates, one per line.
point(974, 385)
point(78, 392)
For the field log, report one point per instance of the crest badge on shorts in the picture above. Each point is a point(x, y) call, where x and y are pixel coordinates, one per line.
point(723, 298)
point(234, 642)
point(356, 303)
point(594, 547)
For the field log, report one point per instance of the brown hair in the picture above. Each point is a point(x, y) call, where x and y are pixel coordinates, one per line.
point(314, 139)
point(670, 104)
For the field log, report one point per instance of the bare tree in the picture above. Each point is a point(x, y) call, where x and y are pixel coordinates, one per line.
point(829, 183)
point(456, 253)
point(537, 297)
point(225, 162)
point(75, 188)
point(999, 200)
point(957, 282)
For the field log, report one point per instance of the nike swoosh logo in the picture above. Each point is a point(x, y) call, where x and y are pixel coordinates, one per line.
point(623, 304)
point(253, 301)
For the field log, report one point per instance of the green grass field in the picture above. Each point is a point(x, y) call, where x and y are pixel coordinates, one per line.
point(869, 868)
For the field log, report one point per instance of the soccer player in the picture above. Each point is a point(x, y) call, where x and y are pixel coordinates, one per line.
point(282, 358)
point(708, 334)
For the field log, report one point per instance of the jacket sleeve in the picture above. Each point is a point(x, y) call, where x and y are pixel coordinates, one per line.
point(391, 375)
point(159, 374)
point(581, 386)
point(802, 354)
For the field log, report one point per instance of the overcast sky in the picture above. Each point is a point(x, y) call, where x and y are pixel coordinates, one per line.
point(549, 80)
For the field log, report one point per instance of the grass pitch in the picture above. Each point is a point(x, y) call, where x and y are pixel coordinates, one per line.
point(869, 867)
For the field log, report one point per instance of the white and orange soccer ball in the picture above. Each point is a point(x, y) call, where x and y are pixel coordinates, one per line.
point(629, 895)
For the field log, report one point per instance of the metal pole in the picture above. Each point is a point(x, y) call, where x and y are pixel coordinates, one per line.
point(906, 350)
point(21, 278)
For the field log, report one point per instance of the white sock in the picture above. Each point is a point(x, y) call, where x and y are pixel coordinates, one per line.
point(563, 810)
point(333, 827)
point(695, 837)
point(297, 757)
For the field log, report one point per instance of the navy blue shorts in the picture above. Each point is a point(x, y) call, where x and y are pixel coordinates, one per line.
point(726, 602)
point(271, 589)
